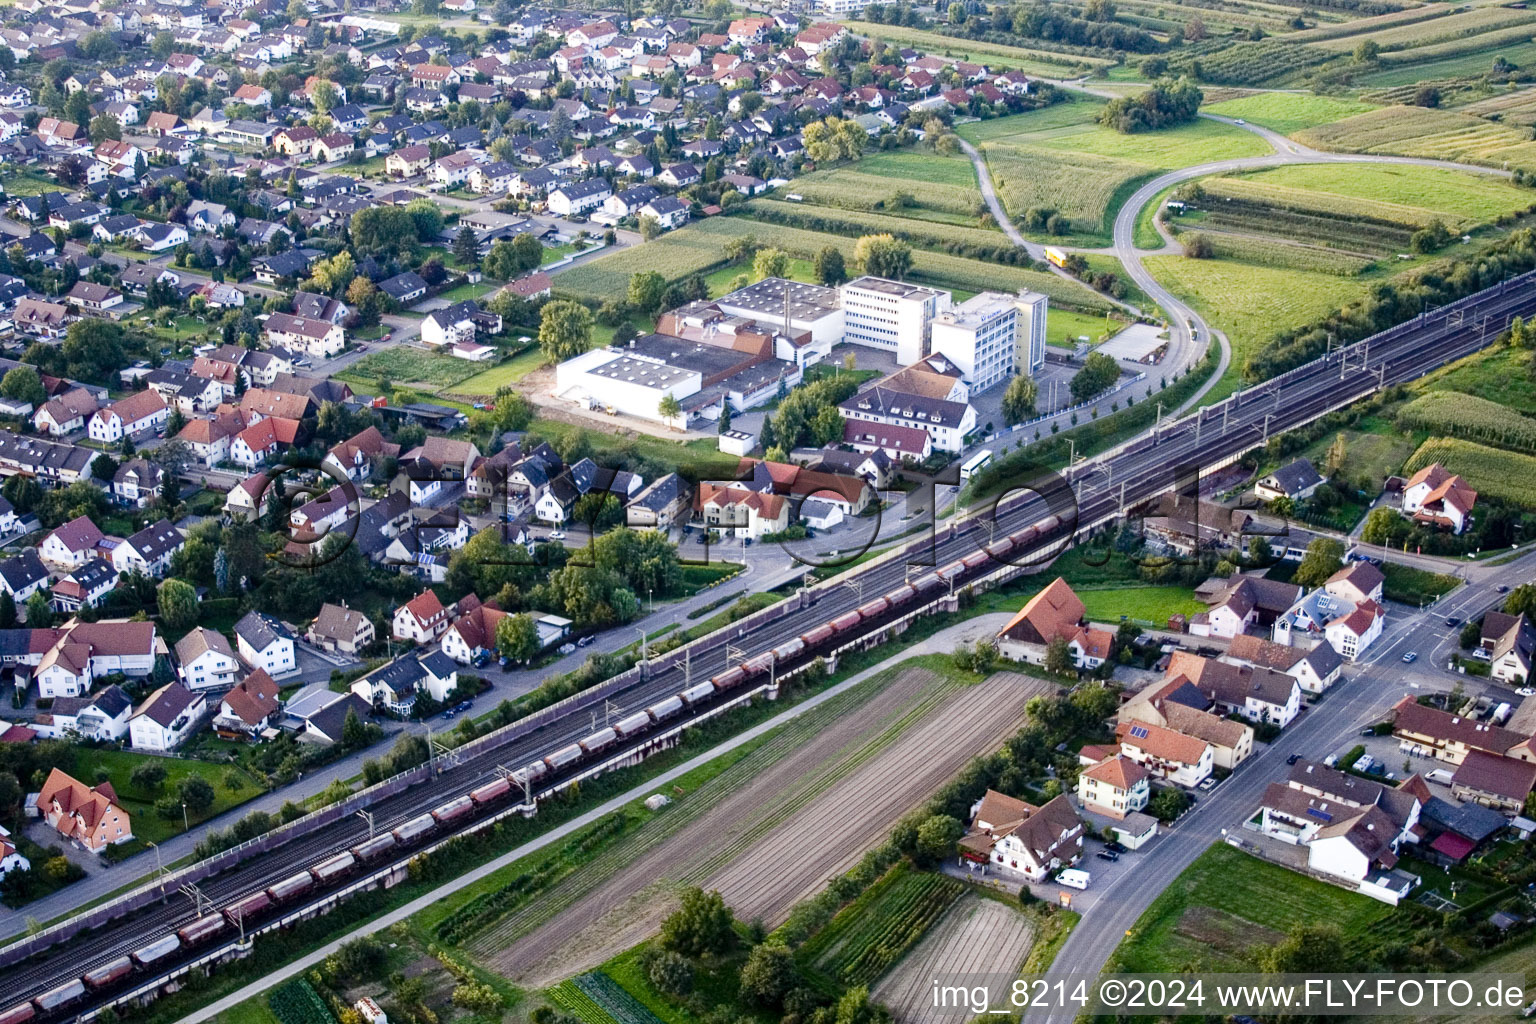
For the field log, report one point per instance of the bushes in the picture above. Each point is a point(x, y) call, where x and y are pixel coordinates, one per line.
point(972, 243)
point(1166, 104)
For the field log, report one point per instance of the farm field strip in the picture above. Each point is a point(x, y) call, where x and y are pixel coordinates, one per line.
point(1286, 112)
point(793, 859)
point(1441, 134)
point(1363, 26)
point(779, 774)
point(1464, 26)
point(1472, 64)
point(870, 938)
point(978, 936)
point(1047, 63)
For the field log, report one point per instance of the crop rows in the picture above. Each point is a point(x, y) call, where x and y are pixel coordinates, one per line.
point(1492, 472)
point(1442, 134)
point(1487, 41)
point(875, 930)
point(1246, 63)
point(297, 1002)
point(1362, 26)
point(978, 243)
point(1471, 418)
point(578, 1004)
point(1076, 184)
point(658, 830)
point(1511, 107)
point(1468, 25)
point(1352, 208)
point(615, 1002)
point(849, 188)
point(1374, 238)
point(1279, 252)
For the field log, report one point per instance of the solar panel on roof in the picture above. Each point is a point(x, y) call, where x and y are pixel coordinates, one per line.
point(1139, 732)
point(1322, 815)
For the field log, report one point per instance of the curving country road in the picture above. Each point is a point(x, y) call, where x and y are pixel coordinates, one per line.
point(1186, 327)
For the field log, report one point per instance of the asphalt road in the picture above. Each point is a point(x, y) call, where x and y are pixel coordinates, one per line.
point(1369, 688)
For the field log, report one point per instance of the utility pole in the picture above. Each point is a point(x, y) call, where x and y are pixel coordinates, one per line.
point(368, 817)
point(643, 656)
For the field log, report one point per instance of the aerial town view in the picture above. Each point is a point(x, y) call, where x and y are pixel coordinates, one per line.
point(788, 512)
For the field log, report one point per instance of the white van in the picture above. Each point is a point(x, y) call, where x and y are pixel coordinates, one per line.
point(1439, 775)
point(1074, 878)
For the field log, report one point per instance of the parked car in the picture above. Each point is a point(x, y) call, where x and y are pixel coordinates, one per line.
point(1114, 847)
point(1411, 656)
point(1526, 691)
point(1107, 855)
point(586, 640)
point(463, 706)
point(557, 535)
point(1208, 785)
point(1293, 759)
point(567, 648)
point(1369, 730)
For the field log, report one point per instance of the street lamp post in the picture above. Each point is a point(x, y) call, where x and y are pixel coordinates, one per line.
point(185, 826)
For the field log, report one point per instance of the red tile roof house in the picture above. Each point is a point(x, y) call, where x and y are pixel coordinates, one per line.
point(1437, 497)
point(71, 544)
point(89, 817)
point(249, 708)
point(1016, 838)
point(422, 619)
point(142, 411)
point(64, 414)
point(1052, 613)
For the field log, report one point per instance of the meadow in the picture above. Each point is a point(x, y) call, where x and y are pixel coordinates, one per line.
point(1287, 112)
point(919, 185)
point(1463, 25)
point(1227, 903)
point(697, 248)
point(1408, 195)
point(1060, 158)
point(409, 366)
point(1046, 63)
point(1497, 374)
point(1417, 131)
point(1471, 63)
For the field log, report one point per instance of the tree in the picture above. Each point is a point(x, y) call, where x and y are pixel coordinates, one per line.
point(646, 288)
point(529, 252)
point(1019, 399)
point(354, 734)
point(829, 268)
point(39, 614)
point(1099, 373)
point(323, 96)
point(23, 384)
point(147, 777)
point(164, 44)
point(466, 247)
point(1058, 656)
point(936, 838)
point(669, 407)
point(650, 227)
point(1259, 551)
point(196, 792)
point(770, 263)
point(517, 637)
point(702, 924)
point(1367, 50)
point(671, 972)
point(104, 127)
point(565, 330)
point(178, 603)
point(1521, 601)
point(1197, 246)
point(7, 610)
point(1168, 804)
point(1194, 30)
point(882, 256)
point(1426, 95)
point(768, 974)
point(1308, 949)
point(1324, 557)
point(834, 139)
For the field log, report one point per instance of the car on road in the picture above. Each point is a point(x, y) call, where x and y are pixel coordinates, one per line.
point(1369, 730)
point(1451, 620)
point(449, 713)
point(1293, 759)
point(557, 535)
point(1240, 121)
point(585, 641)
point(1503, 588)
point(1107, 855)
point(1526, 691)
point(1208, 784)
point(1411, 656)
point(463, 706)
point(567, 648)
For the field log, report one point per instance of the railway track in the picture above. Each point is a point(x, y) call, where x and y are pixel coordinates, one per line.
point(1132, 473)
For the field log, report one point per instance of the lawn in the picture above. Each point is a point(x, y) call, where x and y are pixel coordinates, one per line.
point(409, 367)
point(1250, 302)
point(459, 293)
point(1371, 453)
point(1061, 159)
point(1227, 902)
point(488, 382)
point(1148, 604)
point(1464, 197)
point(147, 824)
point(1064, 326)
point(1415, 131)
point(1498, 375)
point(1287, 112)
point(702, 455)
point(1413, 586)
point(995, 55)
point(720, 281)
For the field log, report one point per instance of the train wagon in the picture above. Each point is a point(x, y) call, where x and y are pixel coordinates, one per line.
point(664, 709)
point(157, 950)
point(845, 622)
point(490, 792)
point(901, 595)
point(1048, 524)
point(415, 828)
point(729, 678)
point(328, 871)
point(454, 809)
point(293, 885)
point(375, 847)
point(106, 974)
point(975, 560)
point(564, 757)
point(530, 772)
point(61, 996)
point(784, 652)
point(18, 1014)
point(201, 930)
point(600, 740)
point(758, 665)
point(820, 635)
point(873, 608)
point(695, 694)
point(952, 571)
point(247, 908)
point(930, 582)
point(1000, 547)
point(1025, 537)
point(635, 723)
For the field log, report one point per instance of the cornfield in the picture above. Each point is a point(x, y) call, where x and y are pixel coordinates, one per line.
point(1277, 252)
point(1467, 25)
point(297, 1002)
point(1492, 472)
point(875, 930)
point(1442, 134)
point(1282, 197)
point(1470, 418)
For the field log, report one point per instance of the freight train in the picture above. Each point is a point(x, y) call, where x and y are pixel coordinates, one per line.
point(256, 907)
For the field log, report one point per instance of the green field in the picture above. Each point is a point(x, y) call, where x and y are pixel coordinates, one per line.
point(1372, 453)
point(140, 805)
point(1498, 375)
point(409, 367)
point(488, 382)
point(1064, 326)
point(996, 55)
point(1410, 586)
point(1416, 131)
point(1060, 158)
point(877, 928)
point(1149, 604)
point(1464, 198)
point(1225, 904)
point(904, 183)
point(1287, 112)
point(696, 249)
point(1462, 65)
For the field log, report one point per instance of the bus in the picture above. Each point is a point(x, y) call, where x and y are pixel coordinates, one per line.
point(1056, 256)
point(973, 465)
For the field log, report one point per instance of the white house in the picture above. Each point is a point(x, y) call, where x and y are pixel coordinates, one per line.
point(149, 551)
point(1185, 760)
point(166, 718)
point(1439, 498)
point(265, 643)
point(70, 544)
point(103, 716)
point(207, 660)
point(318, 339)
point(1019, 839)
point(139, 412)
point(1114, 787)
point(422, 619)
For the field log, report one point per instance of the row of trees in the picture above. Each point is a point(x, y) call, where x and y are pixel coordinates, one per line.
point(1166, 103)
